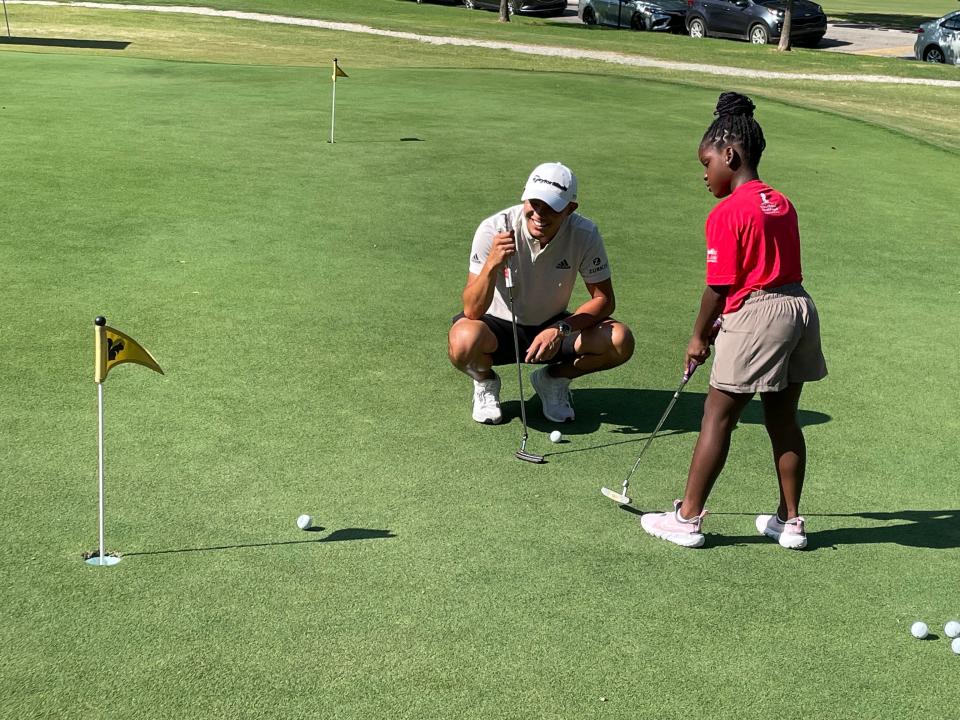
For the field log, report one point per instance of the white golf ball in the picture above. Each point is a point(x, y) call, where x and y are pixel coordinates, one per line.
point(955, 646)
point(305, 521)
point(952, 629)
point(919, 630)
point(556, 436)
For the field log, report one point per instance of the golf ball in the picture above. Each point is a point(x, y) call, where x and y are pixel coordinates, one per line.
point(556, 436)
point(305, 521)
point(952, 629)
point(955, 646)
point(919, 630)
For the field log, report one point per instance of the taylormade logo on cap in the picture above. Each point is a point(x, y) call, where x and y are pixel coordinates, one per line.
point(553, 183)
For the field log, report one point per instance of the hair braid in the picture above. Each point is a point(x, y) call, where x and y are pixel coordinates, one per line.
point(735, 124)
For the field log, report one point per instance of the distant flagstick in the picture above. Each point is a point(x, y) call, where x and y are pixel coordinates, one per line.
point(337, 72)
point(111, 347)
point(6, 19)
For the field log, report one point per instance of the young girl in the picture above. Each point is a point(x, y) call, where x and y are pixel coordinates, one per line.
point(769, 338)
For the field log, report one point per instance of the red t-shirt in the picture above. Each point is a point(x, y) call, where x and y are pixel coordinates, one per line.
point(753, 242)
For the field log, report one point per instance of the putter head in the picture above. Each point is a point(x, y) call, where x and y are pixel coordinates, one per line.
point(615, 496)
point(530, 457)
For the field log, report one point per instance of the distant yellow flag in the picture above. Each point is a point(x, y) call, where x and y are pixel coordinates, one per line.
point(114, 347)
point(338, 71)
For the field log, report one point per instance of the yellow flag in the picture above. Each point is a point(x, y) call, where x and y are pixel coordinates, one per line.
point(338, 71)
point(114, 347)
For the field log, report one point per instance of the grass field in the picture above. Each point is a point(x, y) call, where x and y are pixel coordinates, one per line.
point(297, 295)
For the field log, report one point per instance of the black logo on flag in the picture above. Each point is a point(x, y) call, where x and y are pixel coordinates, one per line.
point(563, 265)
point(114, 348)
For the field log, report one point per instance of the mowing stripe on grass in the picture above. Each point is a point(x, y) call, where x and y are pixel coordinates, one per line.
point(543, 50)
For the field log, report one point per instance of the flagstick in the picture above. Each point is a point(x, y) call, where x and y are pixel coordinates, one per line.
point(5, 17)
point(333, 106)
point(101, 559)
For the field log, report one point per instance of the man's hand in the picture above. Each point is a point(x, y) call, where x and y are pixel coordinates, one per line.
point(544, 346)
point(503, 248)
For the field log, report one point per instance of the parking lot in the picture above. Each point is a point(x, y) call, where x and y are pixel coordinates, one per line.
point(841, 37)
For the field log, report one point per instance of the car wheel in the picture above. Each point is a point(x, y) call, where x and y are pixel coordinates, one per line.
point(759, 35)
point(589, 16)
point(470, 5)
point(933, 54)
point(637, 22)
point(697, 29)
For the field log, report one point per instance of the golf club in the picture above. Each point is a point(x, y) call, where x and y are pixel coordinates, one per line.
point(621, 497)
point(522, 453)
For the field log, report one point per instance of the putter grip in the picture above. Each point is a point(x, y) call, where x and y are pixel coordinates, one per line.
point(504, 226)
point(691, 368)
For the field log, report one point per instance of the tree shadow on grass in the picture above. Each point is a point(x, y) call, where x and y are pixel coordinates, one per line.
point(634, 413)
point(336, 536)
point(931, 529)
point(878, 21)
point(66, 42)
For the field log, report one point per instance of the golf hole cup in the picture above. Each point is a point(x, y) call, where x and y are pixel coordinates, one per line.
point(304, 522)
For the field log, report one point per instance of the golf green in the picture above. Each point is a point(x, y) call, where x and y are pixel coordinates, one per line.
point(297, 294)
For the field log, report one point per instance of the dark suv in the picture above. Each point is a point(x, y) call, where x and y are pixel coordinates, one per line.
point(759, 21)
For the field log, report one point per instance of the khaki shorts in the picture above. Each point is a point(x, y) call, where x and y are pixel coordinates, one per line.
point(770, 342)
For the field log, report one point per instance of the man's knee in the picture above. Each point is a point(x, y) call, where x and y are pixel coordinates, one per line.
point(465, 341)
point(622, 342)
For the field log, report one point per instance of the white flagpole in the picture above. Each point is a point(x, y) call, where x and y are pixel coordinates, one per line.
point(100, 459)
point(101, 558)
point(333, 105)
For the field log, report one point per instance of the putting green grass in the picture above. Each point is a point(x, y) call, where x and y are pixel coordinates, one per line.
point(298, 293)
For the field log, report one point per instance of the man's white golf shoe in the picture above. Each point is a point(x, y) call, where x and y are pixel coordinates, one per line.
point(554, 395)
point(486, 401)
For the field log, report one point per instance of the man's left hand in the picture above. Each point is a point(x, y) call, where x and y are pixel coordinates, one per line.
point(545, 346)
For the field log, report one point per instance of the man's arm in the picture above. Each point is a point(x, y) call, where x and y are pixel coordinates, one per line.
point(594, 311)
point(478, 292)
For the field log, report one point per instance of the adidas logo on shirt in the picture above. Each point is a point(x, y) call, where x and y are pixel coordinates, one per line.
point(475, 259)
point(563, 265)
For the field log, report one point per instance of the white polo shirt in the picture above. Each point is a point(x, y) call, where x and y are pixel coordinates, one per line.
point(543, 278)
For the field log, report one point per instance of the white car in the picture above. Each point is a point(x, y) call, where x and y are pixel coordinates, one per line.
point(653, 15)
point(938, 41)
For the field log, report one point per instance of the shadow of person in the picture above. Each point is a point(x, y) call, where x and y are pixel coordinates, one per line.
point(634, 412)
point(931, 529)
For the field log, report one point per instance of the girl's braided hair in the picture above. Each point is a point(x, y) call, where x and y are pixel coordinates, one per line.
point(735, 124)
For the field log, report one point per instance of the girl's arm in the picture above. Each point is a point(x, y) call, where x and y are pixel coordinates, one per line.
point(711, 305)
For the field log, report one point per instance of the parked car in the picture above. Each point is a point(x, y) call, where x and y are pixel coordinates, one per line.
point(656, 15)
point(759, 21)
point(537, 7)
point(939, 40)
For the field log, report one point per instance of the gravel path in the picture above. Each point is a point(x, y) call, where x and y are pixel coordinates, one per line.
point(541, 50)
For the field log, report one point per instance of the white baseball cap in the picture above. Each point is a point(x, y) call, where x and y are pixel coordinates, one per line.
point(553, 183)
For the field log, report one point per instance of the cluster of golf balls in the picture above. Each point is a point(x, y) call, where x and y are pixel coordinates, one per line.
point(952, 630)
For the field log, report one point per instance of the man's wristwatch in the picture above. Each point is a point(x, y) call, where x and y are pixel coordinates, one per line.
point(564, 329)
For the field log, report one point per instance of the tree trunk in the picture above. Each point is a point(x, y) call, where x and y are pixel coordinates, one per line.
point(787, 24)
point(504, 11)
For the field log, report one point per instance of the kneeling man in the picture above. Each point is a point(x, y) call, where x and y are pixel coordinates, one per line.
point(545, 243)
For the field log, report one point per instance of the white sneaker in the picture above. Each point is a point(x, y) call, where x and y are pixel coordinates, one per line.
point(790, 534)
point(554, 395)
point(486, 401)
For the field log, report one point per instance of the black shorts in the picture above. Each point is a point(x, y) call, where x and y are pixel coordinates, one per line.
point(503, 331)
